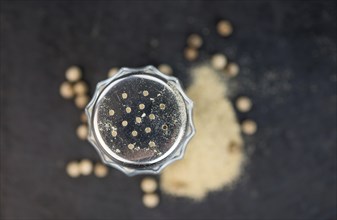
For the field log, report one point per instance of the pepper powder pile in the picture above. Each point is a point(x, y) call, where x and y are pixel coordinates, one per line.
point(214, 158)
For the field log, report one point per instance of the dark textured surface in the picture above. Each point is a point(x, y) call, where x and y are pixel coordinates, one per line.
point(287, 53)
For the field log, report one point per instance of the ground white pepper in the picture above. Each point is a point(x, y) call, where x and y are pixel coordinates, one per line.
point(214, 157)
